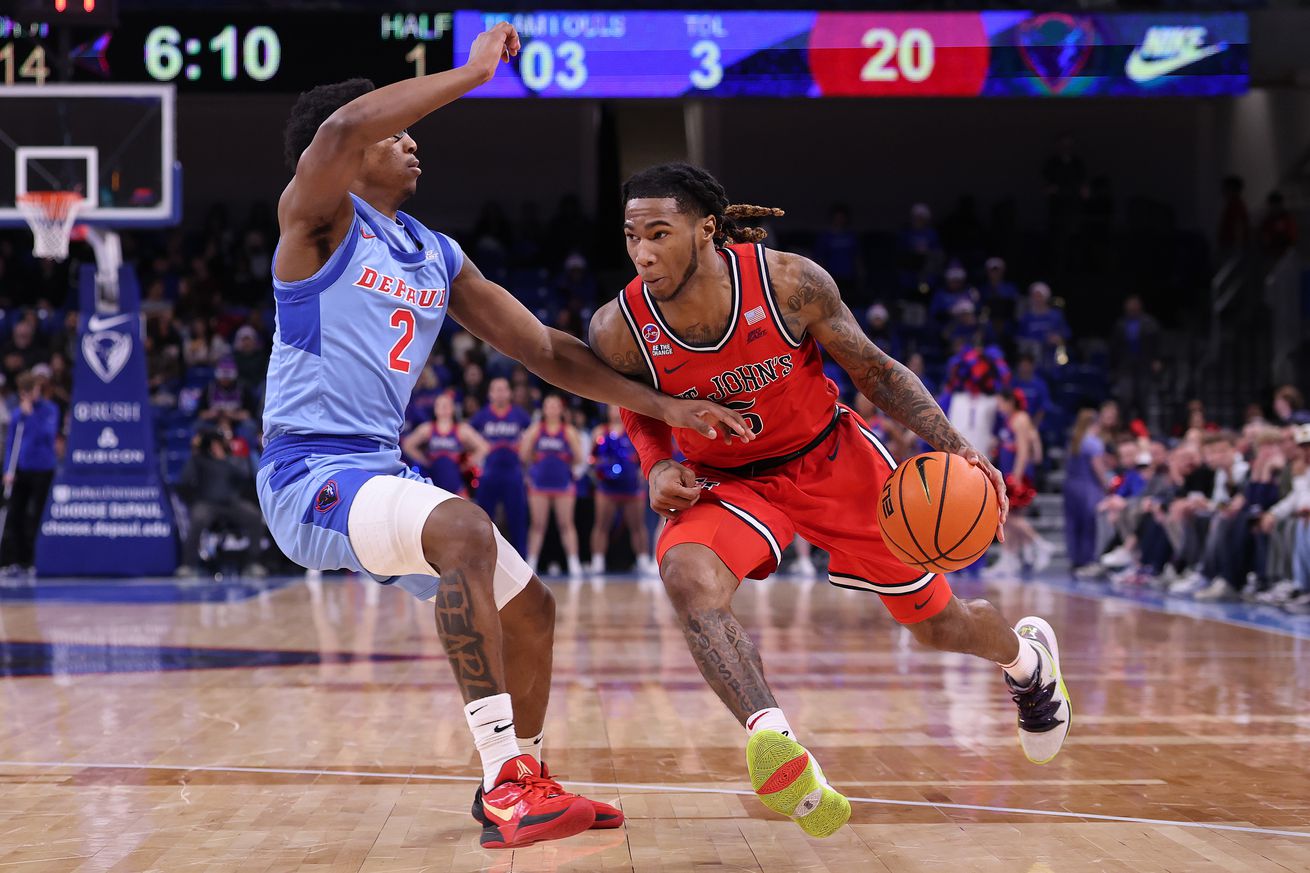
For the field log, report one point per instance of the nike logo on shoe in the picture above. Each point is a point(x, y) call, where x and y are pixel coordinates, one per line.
point(502, 814)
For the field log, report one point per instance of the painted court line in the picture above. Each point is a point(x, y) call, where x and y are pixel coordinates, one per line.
point(670, 789)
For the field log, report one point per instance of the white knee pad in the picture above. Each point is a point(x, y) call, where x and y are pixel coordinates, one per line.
point(386, 531)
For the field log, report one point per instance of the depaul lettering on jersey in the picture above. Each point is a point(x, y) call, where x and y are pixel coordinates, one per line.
point(746, 379)
point(423, 298)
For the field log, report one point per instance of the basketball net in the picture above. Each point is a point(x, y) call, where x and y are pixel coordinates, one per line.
point(51, 215)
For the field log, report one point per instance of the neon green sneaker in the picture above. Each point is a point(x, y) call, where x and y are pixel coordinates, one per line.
point(788, 780)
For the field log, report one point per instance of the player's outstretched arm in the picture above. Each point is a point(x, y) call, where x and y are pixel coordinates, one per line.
point(811, 301)
point(315, 207)
point(491, 313)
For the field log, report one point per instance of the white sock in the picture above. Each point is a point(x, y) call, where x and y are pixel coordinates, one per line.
point(531, 745)
point(1023, 667)
point(494, 746)
point(771, 719)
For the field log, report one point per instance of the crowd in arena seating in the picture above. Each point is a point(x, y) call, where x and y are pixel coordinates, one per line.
point(1186, 506)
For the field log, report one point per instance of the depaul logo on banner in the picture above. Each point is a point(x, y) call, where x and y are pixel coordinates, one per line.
point(109, 513)
point(105, 349)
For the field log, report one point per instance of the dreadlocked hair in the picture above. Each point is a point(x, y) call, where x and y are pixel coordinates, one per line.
point(314, 107)
point(696, 191)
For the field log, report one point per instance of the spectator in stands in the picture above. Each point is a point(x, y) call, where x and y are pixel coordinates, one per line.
point(920, 249)
point(1000, 298)
point(1033, 386)
point(23, 351)
point(1084, 485)
point(974, 378)
point(216, 490)
point(250, 355)
point(576, 291)
point(1042, 330)
point(60, 387)
point(838, 249)
point(28, 471)
point(1293, 512)
point(1289, 406)
point(1223, 522)
point(227, 397)
point(203, 347)
point(501, 484)
point(1277, 228)
point(1234, 233)
point(877, 324)
point(955, 291)
point(1135, 358)
point(1110, 421)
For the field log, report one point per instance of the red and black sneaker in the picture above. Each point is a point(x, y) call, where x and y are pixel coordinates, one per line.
point(606, 816)
point(525, 808)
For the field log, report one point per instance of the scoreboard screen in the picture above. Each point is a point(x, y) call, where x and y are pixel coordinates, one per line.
point(646, 54)
point(865, 54)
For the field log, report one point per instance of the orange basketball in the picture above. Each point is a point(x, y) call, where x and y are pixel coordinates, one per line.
point(938, 512)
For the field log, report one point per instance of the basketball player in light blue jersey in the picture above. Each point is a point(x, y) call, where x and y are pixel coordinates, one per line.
point(361, 291)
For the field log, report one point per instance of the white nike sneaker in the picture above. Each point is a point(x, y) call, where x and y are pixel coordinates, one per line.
point(1044, 709)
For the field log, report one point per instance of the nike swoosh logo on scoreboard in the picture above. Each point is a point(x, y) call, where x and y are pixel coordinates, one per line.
point(1141, 70)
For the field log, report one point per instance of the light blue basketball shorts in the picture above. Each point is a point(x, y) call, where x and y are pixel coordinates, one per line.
point(336, 503)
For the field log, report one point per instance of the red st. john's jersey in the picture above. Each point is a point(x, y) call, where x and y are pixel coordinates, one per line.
point(757, 368)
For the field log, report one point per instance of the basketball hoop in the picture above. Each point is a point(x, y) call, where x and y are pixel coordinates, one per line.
point(51, 215)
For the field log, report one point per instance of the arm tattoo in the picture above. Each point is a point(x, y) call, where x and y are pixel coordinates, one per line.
point(610, 341)
point(817, 303)
point(465, 645)
point(729, 661)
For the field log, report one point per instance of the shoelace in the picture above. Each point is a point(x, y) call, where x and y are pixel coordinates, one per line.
point(1037, 705)
point(545, 786)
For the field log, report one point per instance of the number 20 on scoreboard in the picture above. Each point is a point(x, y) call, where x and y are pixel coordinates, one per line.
point(899, 55)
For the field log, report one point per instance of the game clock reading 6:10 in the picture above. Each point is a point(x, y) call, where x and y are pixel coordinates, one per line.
point(276, 51)
point(257, 53)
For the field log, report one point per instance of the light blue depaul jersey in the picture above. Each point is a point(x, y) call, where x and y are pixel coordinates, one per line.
point(352, 339)
point(350, 343)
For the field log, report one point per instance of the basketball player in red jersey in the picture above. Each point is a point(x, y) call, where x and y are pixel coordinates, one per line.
point(712, 314)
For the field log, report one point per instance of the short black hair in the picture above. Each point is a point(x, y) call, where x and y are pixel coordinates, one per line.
point(312, 108)
point(698, 193)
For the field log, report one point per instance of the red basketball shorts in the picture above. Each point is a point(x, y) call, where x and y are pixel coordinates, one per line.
point(829, 496)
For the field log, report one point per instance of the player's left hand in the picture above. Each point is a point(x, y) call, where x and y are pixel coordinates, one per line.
point(979, 460)
point(702, 416)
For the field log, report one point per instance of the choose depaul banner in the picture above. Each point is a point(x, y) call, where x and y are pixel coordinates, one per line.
point(108, 512)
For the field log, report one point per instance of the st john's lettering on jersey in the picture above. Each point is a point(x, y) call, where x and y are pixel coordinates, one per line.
point(424, 298)
point(746, 379)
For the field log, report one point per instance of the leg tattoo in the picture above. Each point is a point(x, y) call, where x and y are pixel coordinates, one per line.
point(729, 661)
point(465, 645)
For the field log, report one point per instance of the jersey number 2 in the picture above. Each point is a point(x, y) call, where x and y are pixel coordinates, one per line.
point(403, 319)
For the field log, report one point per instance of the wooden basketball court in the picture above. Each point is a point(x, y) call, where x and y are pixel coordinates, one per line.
point(316, 727)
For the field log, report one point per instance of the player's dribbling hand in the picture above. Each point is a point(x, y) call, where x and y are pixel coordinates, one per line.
point(979, 460)
point(491, 47)
point(673, 488)
point(702, 416)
